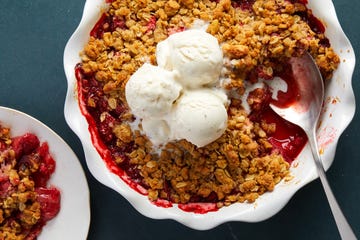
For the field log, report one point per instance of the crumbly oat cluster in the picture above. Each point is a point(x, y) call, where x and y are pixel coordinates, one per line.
point(255, 38)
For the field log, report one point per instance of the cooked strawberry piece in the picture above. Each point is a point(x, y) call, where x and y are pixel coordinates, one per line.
point(46, 166)
point(105, 128)
point(5, 187)
point(107, 24)
point(243, 4)
point(25, 144)
point(117, 22)
point(49, 199)
point(3, 146)
point(151, 24)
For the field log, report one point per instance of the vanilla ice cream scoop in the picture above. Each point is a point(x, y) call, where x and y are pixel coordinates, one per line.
point(151, 91)
point(200, 117)
point(180, 98)
point(194, 54)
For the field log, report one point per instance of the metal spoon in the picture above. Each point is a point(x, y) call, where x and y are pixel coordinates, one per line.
point(305, 113)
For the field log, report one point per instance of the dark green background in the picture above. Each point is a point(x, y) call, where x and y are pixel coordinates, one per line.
point(32, 80)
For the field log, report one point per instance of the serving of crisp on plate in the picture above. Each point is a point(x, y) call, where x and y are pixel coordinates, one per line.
point(68, 208)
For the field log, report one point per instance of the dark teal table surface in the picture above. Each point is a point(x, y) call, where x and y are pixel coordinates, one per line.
point(32, 80)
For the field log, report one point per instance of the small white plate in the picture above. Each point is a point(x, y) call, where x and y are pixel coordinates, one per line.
point(73, 220)
point(338, 111)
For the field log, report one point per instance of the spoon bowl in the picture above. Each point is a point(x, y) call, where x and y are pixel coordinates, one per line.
point(305, 112)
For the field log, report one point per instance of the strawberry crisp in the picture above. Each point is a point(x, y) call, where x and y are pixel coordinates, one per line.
point(257, 38)
point(26, 202)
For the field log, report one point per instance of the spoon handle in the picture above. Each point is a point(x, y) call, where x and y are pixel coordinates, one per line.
point(343, 226)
